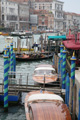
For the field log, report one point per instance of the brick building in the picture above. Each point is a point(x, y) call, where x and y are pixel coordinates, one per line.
point(45, 19)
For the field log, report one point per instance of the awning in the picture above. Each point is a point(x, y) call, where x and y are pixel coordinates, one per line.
point(63, 37)
point(70, 44)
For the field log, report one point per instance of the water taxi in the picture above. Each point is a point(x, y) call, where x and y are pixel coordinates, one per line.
point(45, 73)
point(45, 106)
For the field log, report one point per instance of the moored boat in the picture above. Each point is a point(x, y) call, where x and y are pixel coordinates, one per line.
point(4, 34)
point(45, 106)
point(45, 73)
point(33, 57)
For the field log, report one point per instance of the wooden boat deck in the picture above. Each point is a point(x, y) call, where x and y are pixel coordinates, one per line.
point(50, 110)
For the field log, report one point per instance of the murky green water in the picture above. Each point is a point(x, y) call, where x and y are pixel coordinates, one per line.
point(18, 112)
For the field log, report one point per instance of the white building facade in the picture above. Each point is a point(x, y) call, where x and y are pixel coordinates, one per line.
point(57, 9)
point(9, 14)
point(23, 10)
point(14, 15)
point(71, 21)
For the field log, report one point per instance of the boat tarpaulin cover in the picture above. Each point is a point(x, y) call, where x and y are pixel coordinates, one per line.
point(71, 44)
point(63, 37)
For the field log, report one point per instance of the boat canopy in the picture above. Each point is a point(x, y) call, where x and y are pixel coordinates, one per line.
point(45, 68)
point(70, 44)
point(63, 37)
point(36, 97)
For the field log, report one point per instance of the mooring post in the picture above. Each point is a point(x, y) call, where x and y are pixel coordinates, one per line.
point(8, 53)
point(73, 60)
point(61, 58)
point(67, 89)
point(59, 67)
point(64, 69)
point(6, 68)
point(27, 78)
point(74, 102)
point(14, 64)
point(70, 95)
point(44, 83)
point(79, 106)
point(53, 60)
point(11, 57)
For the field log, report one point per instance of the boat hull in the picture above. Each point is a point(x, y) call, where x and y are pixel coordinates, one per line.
point(32, 59)
point(48, 78)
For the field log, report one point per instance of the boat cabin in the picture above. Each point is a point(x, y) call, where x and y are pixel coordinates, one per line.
point(46, 72)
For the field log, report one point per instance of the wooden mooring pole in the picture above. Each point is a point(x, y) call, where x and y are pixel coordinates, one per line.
point(70, 95)
point(74, 102)
point(27, 79)
point(44, 83)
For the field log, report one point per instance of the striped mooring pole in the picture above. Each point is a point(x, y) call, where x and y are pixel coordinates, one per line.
point(73, 59)
point(5, 49)
point(6, 68)
point(61, 58)
point(11, 57)
point(8, 53)
point(79, 106)
point(67, 89)
point(64, 69)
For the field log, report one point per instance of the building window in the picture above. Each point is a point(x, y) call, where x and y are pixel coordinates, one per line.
point(42, 23)
point(11, 10)
point(2, 17)
point(50, 6)
point(43, 7)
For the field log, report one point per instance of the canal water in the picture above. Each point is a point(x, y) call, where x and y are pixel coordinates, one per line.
point(18, 112)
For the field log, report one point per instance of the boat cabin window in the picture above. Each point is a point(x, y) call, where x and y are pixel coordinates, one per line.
point(42, 72)
point(31, 115)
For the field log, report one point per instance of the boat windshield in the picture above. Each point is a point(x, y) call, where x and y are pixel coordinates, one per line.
point(42, 72)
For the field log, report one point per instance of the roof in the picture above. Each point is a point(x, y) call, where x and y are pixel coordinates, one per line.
point(43, 0)
point(50, 111)
point(45, 68)
point(42, 97)
point(72, 14)
point(19, 1)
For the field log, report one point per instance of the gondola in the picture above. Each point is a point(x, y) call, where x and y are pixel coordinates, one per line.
point(44, 105)
point(33, 57)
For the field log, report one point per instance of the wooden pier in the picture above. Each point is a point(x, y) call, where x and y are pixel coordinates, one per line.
point(14, 88)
